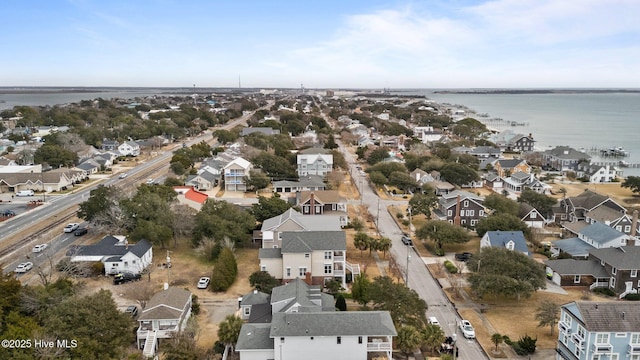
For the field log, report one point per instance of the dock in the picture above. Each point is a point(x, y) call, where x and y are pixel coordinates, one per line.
point(621, 163)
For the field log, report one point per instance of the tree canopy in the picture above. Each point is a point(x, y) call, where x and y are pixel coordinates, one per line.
point(541, 202)
point(219, 220)
point(423, 203)
point(458, 174)
point(504, 272)
point(403, 303)
point(268, 207)
point(442, 232)
point(501, 204)
point(632, 183)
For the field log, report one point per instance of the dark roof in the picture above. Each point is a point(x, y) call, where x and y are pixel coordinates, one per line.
point(372, 323)
point(501, 238)
point(260, 313)
point(254, 337)
point(166, 304)
point(566, 152)
point(255, 297)
point(614, 316)
point(587, 199)
point(269, 253)
point(623, 258)
point(509, 163)
point(577, 267)
point(111, 246)
point(601, 233)
point(573, 247)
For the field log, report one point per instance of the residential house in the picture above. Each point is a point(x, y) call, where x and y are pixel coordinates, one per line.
point(512, 240)
point(600, 173)
point(89, 167)
point(129, 148)
point(305, 183)
point(105, 159)
point(255, 307)
point(427, 134)
point(324, 202)
point(520, 181)
point(599, 330)
point(575, 208)
point(116, 254)
point(205, 179)
point(460, 208)
point(573, 272)
point(190, 197)
point(262, 130)
point(622, 265)
point(485, 152)
point(318, 256)
point(590, 237)
point(507, 167)
point(314, 161)
point(234, 173)
point(304, 321)
point(563, 158)
point(292, 220)
point(165, 315)
point(493, 182)
point(48, 181)
point(508, 141)
point(109, 145)
point(531, 216)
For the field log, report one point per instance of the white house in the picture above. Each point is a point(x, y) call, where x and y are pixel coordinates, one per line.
point(129, 148)
point(427, 134)
point(234, 173)
point(304, 324)
point(166, 313)
point(116, 253)
point(292, 220)
point(314, 161)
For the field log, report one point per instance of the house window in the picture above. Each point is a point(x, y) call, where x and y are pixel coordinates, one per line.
point(576, 279)
point(533, 215)
point(480, 212)
point(339, 340)
point(602, 338)
point(614, 270)
point(281, 340)
point(635, 339)
point(474, 222)
point(263, 268)
point(580, 332)
point(327, 268)
point(470, 212)
point(133, 262)
point(288, 271)
point(126, 263)
point(465, 203)
point(566, 319)
point(449, 213)
point(577, 351)
point(247, 311)
point(619, 227)
point(307, 255)
point(621, 335)
point(327, 255)
point(302, 271)
point(359, 339)
point(627, 228)
point(634, 273)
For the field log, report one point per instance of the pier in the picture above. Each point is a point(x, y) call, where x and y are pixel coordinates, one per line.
point(621, 163)
point(616, 152)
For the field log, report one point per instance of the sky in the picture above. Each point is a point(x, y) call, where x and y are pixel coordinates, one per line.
point(321, 44)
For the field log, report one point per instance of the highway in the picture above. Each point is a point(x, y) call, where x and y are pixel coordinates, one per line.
point(420, 279)
point(53, 209)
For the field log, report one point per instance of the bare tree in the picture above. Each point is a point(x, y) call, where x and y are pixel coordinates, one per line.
point(140, 291)
point(335, 178)
point(183, 221)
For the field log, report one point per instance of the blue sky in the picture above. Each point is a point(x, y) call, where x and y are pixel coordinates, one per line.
point(321, 44)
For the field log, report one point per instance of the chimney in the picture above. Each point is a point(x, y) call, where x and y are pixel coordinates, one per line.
point(456, 219)
point(596, 306)
point(623, 315)
point(634, 229)
point(312, 203)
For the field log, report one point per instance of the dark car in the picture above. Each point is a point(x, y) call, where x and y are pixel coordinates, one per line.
point(80, 231)
point(407, 240)
point(132, 310)
point(125, 277)
point(465, 256)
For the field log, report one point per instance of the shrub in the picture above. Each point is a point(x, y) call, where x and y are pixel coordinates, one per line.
point(632, 297)
point(225, 270)
point(399, 215)
point(195, 305)
point(604, 291)
point(524, 346)
point(450, 267)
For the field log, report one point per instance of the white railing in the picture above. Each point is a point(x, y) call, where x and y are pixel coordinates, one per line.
point(563, 326)
point(378, 346)
point(632, 291)
point(598, 285)
point(634, 349)
point(150, 344)
point(354, 268)
point(602, 348)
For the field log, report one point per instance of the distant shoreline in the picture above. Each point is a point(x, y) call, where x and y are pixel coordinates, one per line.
point(538, 91)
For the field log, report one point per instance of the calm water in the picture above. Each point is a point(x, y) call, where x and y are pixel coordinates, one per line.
point(8, 101)
point(602, 121)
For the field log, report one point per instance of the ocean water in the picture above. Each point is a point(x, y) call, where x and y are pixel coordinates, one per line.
point(43, 98)
point(579, 120)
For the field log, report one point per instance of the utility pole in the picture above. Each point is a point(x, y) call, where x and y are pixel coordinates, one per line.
point(406, 275)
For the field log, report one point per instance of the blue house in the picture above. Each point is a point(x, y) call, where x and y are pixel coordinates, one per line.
point(512, 240)
point(599, 330)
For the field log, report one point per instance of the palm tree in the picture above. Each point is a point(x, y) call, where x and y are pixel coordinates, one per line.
point(229, 331)
point(361, 242)
point(563, 191)
point(408, 339)
point(497, 339)
point(384, 244)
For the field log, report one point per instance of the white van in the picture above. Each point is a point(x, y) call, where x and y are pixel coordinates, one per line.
point(433, 321)
point(25, 193)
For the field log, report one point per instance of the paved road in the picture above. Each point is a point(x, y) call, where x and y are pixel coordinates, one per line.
point(420, 279)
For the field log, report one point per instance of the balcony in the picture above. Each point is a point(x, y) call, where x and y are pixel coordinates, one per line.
point(564, 327)
point(599, 284)
point(578, 340)
point(602, 348)
point(634, 349)
point(378, 345)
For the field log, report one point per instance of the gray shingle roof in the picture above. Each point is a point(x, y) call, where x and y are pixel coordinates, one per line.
point(269, 253)
point(601, 233)
point(623, 258)
point(108, 247)
point(566, 152)
point(612, 316)
point(577, 267)
point(501, 238)
point(307, 241)
point(371, 323)
point(254, 336)
point(574, 247)
point(255, 297)
point(509, 163)
point(166, 304)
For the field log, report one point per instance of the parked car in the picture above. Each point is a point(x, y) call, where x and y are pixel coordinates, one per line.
point(39, 248)
point(81, 231)
point(24, 267)
point(123, 175)
point(25, 193)
point(132, 310)
point(8, 213)
point(467, 329)
point(149, 181)
point(407, 240)
point(433, 321)
point(465, 256)
point(203, 283)
point(71, 227)
point(125, 277)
